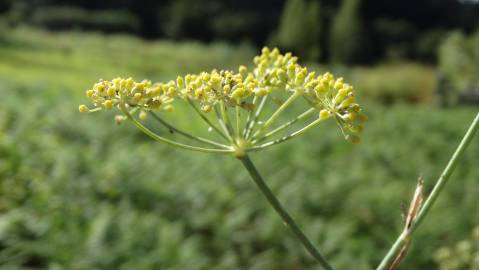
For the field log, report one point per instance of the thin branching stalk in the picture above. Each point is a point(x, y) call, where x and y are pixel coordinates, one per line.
point(250, 116)
point(238, 119)
point(226, 118)
point(287, 137)
point(256, 117)
point(288, 220)
point(287, 124)
point(276, 114)
point(221, 121)
point(438, 187)
point(170, 142)
point(207, 121)
point(186, 134)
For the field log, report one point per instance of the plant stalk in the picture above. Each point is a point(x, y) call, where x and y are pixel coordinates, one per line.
point(276, 114)
point(256, 116)
point(288, 124)
point(186, 134)
point(250, 116)
point(285, 138)
point(156, 137)
point(206, 120)
point(396, 247)
point(282, 212)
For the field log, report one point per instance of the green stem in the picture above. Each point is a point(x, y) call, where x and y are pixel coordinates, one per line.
point(250, 116)
point(256, 117)
point(238, 117)
point(441, 182)
point(282, 212)
point(187, 135)
point(207, 121)
point(226, 118)
point(285, 125)
point(285, 138)
point(276, 114)
point(221, 121)
point(168, 141)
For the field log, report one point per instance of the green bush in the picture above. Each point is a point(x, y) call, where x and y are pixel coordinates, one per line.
point(67, 18)
point(463, 255)
point(459, 64)
point(392, 83)
point(427, 45)
point(3, 30)
point(395, 37)
point(300, 28)
point(346, 34)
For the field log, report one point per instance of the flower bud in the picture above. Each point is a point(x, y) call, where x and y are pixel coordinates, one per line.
point(206, 108)
point(119, 119)
point(83, 108)
point(143, 115)
point(265, 50)
point(339, 83)
point(137, 97)
point(111, 91)
point(108, 104)
point(324, 114)
point(226, 89)
point(89, 93)
point(180, 82)
point(205, 76)
point(243, 71)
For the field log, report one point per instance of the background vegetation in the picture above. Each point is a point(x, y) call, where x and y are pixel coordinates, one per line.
point(79, 192)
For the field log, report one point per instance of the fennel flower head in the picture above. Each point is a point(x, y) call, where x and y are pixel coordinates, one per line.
point(233, 102)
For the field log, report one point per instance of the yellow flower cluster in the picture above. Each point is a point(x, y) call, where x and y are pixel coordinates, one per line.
point(272, 72)
point(107, 94)
point(218, 86)
point(331, 96)
point(337, 100)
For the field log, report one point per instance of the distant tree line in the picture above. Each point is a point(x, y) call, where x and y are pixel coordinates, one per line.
point(347, 31)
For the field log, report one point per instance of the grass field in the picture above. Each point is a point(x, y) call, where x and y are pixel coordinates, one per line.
point(79, 192)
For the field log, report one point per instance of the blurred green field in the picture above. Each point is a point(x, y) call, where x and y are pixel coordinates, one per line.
point(79, 192)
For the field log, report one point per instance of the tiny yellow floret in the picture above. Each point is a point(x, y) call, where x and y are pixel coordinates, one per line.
point(142, 115)
point(108, 104)
point(83, 108)
point(324, 114)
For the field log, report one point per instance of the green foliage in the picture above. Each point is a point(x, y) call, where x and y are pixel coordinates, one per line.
point(459, 63)
point(463, 255)
point(181, 14)
point(3, 30)
point(78, 192)
point(396, 36)
point(69, 17)
point(427, 45)
point(392, 83)
point(393, 29)
point(78, 59)
point(346, 37)
point(300, 28)
point(214, 19)
point(454, 59)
